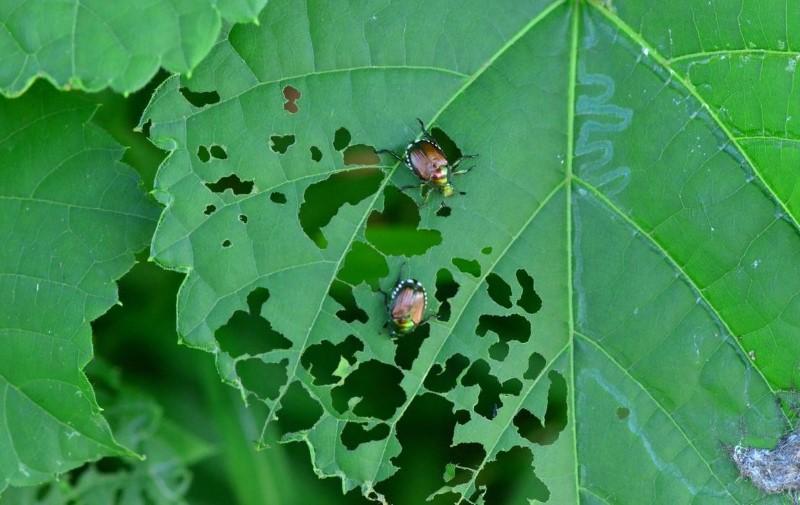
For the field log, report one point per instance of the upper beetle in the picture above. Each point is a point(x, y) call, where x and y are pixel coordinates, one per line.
point(406, 306)
point(426, 158)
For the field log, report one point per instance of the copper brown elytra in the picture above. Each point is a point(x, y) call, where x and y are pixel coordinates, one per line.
point(406, 306)
point(427, 160)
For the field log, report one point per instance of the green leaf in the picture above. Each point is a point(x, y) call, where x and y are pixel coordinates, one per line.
point(162, 477)
point(95, 44)
point(72, 217)
point(626, 269)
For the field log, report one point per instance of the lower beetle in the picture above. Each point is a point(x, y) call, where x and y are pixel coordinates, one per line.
point(406, 306)
point(426, 158)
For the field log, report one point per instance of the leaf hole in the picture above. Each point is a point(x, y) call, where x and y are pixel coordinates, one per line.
point(536, 363)
point(316, 154)
point(394, 231)
point(232, 183)
point(529, 301)
point(226, 243)
point(425, 433)
point(361, 154)
point(471, 267)
point(291, 94)
point(623, 413)
point(355, 434)
point(363, 264)
point(341, 138)
point(281, 143)
point(372, 390)
point(299, 411)
point(342, 293)
point(323, 359)
point(449, 147)
point(444, 211)
point(209, 209)
point(262, 379)
point(507, 328)
point(491, 389)
point(444, 380)
point(510, 478)
point(218, 152)
point(470, 455)
point(555, 417)
point(243, 218)
point(408, 346)
point(499, 290)
point(199, 98)
point(446, 288)
point(486, 250)
point(248, 332)
point(203, 154)
point(322, 200)
point(277, 197)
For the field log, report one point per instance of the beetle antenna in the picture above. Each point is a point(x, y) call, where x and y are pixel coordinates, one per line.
point(392, 153)
point(422, 127)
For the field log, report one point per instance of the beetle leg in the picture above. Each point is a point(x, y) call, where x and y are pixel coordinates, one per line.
point(424, 130)
point(458, 161)
point(411, 186)
point(462, 172)
point(387, 151)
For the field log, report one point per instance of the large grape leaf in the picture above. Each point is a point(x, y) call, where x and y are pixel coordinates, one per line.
point(93, 44)
point(622, 258)
point(71, 217)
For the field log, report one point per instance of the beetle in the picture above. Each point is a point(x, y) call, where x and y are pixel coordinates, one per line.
point(426, 158)
point(405, 306)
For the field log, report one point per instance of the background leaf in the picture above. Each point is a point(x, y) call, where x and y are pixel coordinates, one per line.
point(620, 278)
point(72, 216)
point(93, 44)
point(161, 478)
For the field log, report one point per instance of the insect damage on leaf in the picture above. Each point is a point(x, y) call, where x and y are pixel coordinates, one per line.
point(338, 236)
point(292, 95)
point(322, 200)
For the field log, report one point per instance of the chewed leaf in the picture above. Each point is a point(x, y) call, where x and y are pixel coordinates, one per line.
point(601, 279)
point(72, 217)
point(95, 44)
